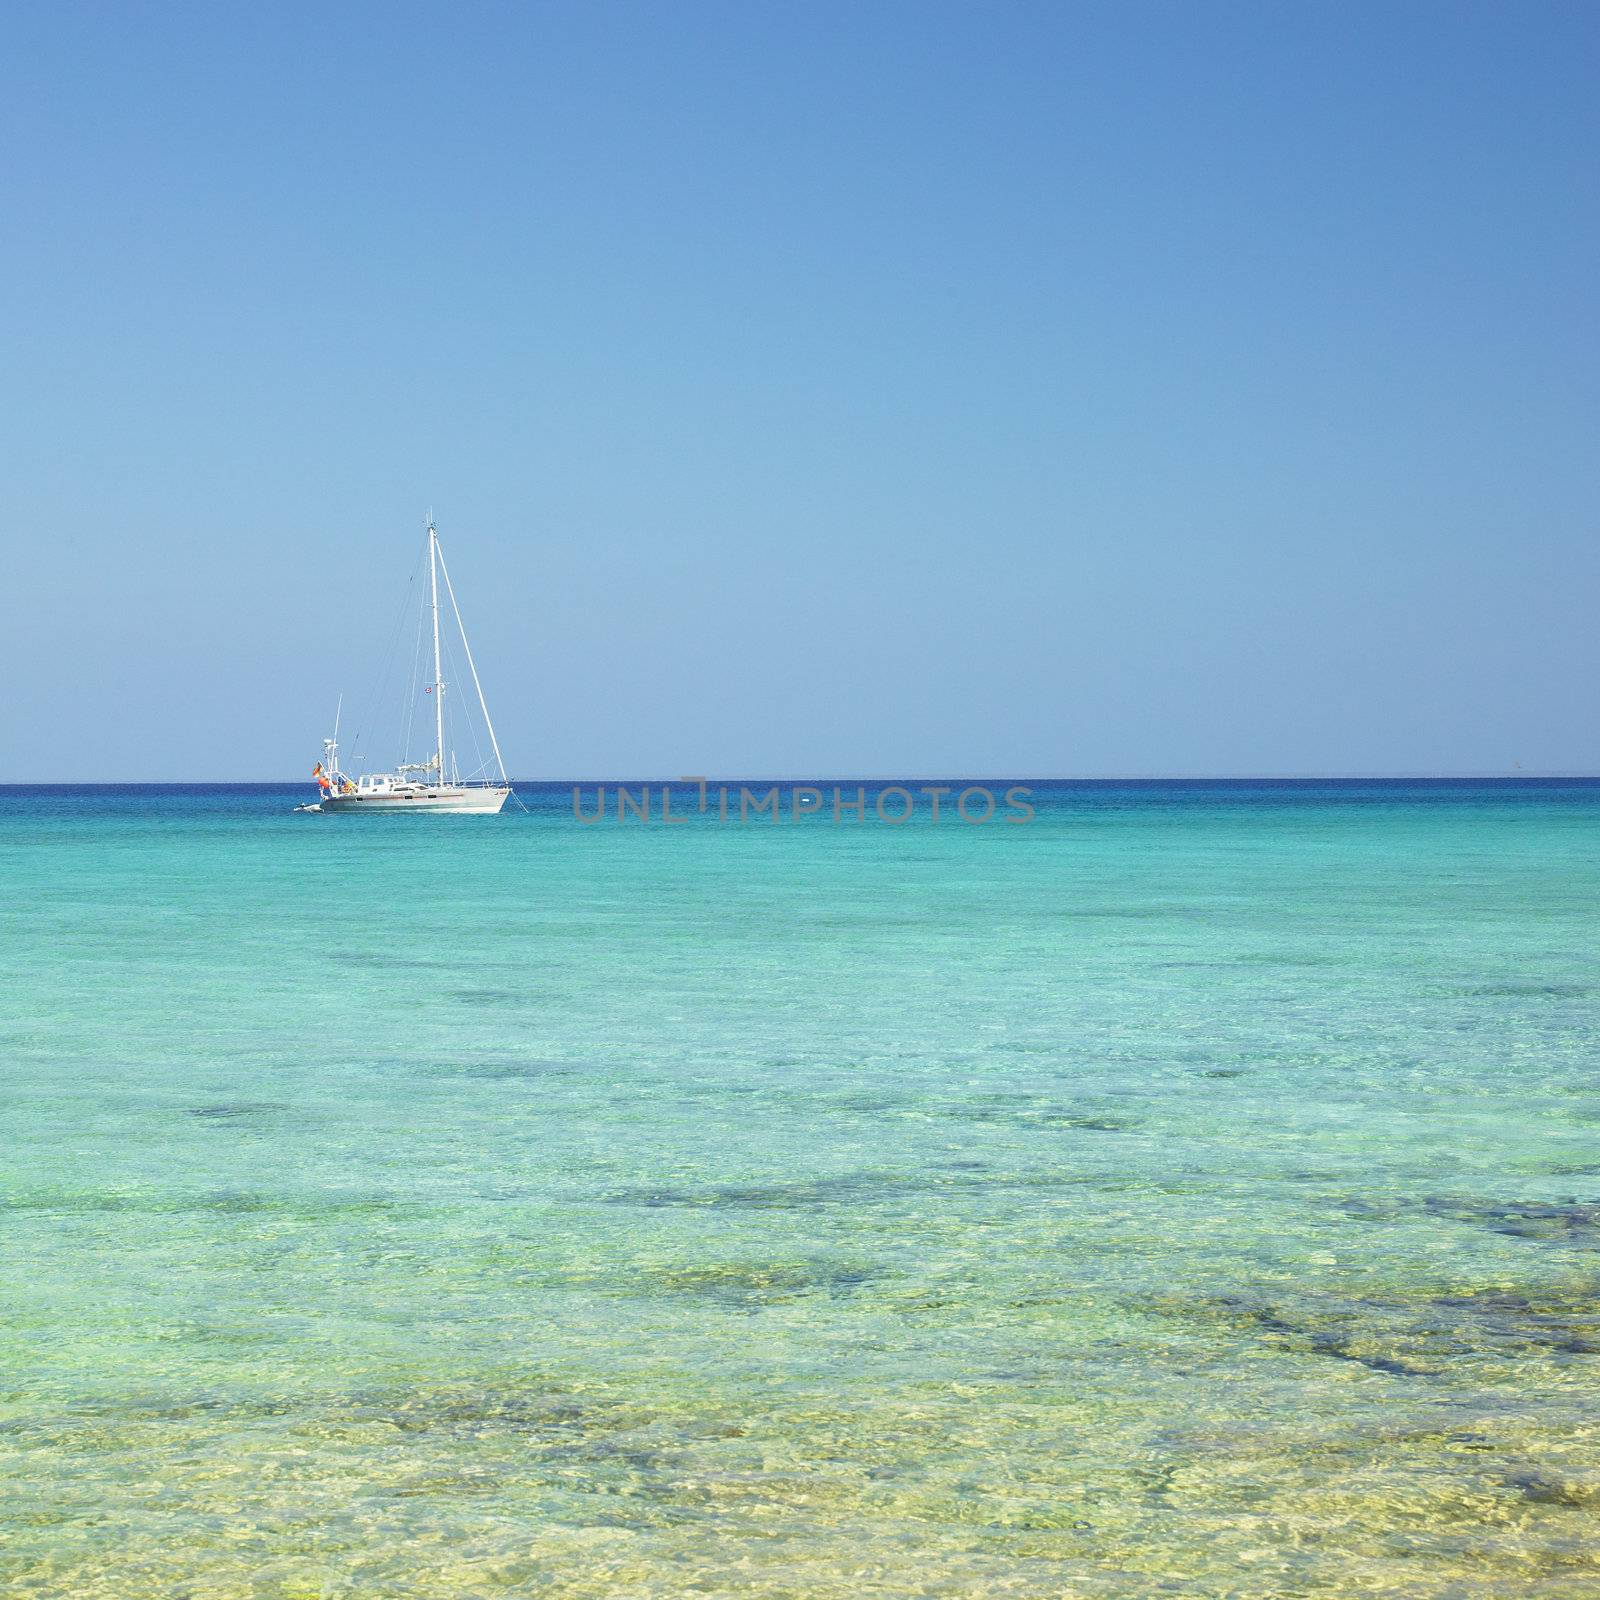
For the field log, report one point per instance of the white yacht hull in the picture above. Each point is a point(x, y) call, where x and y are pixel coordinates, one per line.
point(476, 801)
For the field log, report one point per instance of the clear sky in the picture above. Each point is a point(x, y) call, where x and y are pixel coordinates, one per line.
point(807, 388)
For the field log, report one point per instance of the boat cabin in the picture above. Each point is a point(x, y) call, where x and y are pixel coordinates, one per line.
point(382, 783)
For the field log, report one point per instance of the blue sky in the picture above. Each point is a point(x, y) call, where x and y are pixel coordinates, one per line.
point(808, 389)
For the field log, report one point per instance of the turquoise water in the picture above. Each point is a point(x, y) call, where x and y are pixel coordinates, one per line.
point(1193, 1192)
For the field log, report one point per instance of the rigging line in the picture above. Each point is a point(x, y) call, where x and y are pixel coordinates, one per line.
point(483, 705)
point(481, 769)
point(370, 710)
point(465, 717)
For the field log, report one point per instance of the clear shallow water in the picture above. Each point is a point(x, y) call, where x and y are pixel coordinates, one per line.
point(1194, 1192)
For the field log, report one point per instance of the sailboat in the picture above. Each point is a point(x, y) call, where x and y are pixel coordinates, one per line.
point(419, 786)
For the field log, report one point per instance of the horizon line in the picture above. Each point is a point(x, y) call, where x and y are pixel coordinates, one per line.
point(887, 778)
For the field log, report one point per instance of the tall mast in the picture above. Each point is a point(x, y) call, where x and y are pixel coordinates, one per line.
point(438, 672)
